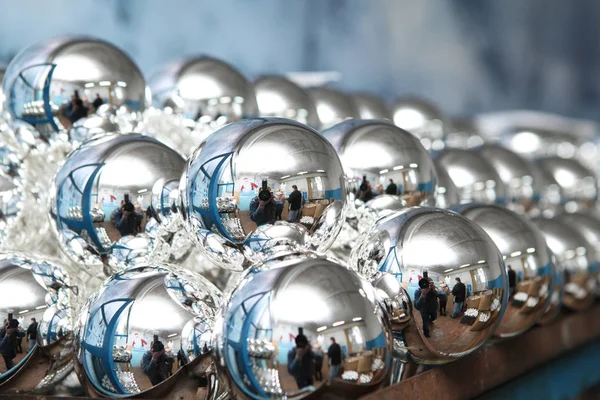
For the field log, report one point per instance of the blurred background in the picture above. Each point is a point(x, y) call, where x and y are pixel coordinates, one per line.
point(467, 56)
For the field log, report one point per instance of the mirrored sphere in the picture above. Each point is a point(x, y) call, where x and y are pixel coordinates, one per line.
point(447, 193)
point(473, 175)
point(534, 142)
point(32, 288)
point(421, 118)
point(285, 311)
point(255, 172)
point(12, 191)
point(280, 97)
point(333, 106)
point(204, 89)
point(466, 271)
point(88, 127)
point(392, 160)
point(370, 106)
point(22, 136)
point(517, 174)
point(104, 191)
point(131, 251)
point(578, 184)
point(575, 257)
point(528, 265)
point(142, 313)
point(54, 83)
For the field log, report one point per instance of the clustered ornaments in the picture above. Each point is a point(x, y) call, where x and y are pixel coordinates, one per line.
point(201, 235)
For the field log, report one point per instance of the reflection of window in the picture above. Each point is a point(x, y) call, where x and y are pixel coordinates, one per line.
point(316, 186)
point(479, 279)
point(356, 335)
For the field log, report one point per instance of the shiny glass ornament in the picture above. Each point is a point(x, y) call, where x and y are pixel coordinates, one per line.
point(33, 288)
point(237, 166)
point(104, 192)
point(333, 106)
point(88, 127)
point(54, 83)
point(370, 106)
point(420, 243)
point(535, 142)
point(575, 257)
point(473, 175)
point(421, 118)
point(447, 193)
point(136, 312)
point(528, 265)
point(285, 305)
point(203, 89)
point(578, 184)
point(278, 96)
point(517, 174)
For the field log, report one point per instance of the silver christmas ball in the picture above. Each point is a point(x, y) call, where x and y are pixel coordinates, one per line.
point(518, 175)
point(204, 89)
point(72, 75)
point(33, 288)
point(578, 184)
point(283, 306)
point(534, 142)
point(421, 118)
point(131, 251)
point(444, 246)
point(88, 127)
point(370, 106)
point(576, 257)
point(237, 166)
point(473, 175)
point(528, 262)
point(104, 192)
point(333, 106)
point(447, 193)
point(383, 152)
point(280, 97)
point(138, 311)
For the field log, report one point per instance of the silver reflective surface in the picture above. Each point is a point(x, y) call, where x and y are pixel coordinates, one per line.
point(447, 193)
point(55, 83)
point(392, 160)
point(280, 319)
point(421, 118)
point(31, 287)
point(224, 179)
point(333, 106)
point(88, 127)
point(578, 184)
point(142, 314)
point(462, 133)
point(279, 97)
point(204, 89)
point(106, 190)
point(370, 106)
point(473, 175)
point(517, 174)
point(12, 191)
point(445, 246)
point(575, 257)
point(535, 142)
point(528, 263)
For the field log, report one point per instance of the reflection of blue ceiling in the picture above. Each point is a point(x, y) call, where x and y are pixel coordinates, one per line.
point(469, 56)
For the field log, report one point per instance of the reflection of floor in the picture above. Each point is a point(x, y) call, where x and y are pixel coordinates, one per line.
point(142, 379)
point(515, 321)
point(288, 383)
point(449, 335)
point(17, 359)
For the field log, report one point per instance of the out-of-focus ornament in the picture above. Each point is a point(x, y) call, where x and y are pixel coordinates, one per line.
point(447, 193)
point(370, 106)
point(33, 290)
point(333, 106)
point(535, 142)
point(517, 174)
point(55, 83)
point(578, 185)
point(473, 175)
point(465, 261)
point(308, 299)
point(245, 176)
point(462, 134)
point(143, 315)
point(104, 192)
point(528, 263)
point(278, 96)
point(421, 118)
point(575, 257)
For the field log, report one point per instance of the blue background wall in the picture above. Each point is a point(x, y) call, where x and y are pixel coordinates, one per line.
point(468, 55)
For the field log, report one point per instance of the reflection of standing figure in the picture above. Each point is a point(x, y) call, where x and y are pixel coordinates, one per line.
point(279, 201)
point(426, 301)
point(459, 291)
point(295, 201)
point(32, 333)
point(318, 363)
point(443, 293)
point(334, 353)
point(512, 281)
point(300, 362)
point(8, 346)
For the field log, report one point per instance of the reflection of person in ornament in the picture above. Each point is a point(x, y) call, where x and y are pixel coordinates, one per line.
point(156, 363)
point(426, 301)
point(262, 212)
point(300, 361)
